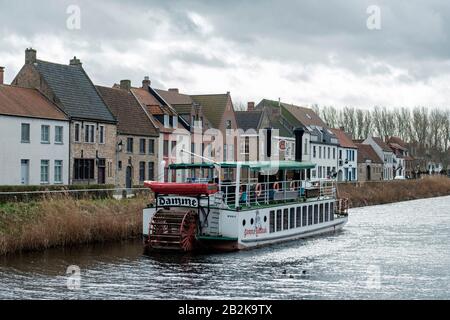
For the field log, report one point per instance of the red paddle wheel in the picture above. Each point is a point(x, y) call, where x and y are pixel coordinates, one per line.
point(174, 230)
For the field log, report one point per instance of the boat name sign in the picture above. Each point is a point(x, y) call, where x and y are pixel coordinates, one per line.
point(177, 202)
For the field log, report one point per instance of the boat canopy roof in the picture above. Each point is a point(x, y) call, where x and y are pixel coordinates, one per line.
point(253, 165)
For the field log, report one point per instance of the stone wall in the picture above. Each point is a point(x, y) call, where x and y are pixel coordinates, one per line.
point(376, 172)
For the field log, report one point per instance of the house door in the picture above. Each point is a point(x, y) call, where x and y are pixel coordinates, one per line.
point(101, 171)
point(128, 179)
point(368, 173)
point(25, 172)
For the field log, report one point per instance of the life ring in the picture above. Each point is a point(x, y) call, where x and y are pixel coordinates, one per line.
point(293, 185)
point(258, 189)
point(276, 186)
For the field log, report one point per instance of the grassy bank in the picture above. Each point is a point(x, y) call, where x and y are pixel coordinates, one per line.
point(64, 221)
point(373, 193)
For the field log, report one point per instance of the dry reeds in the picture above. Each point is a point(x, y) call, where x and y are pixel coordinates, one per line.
point(64, 221)
point(373, 193)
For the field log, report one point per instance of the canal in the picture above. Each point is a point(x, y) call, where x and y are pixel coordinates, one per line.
point(395, 251)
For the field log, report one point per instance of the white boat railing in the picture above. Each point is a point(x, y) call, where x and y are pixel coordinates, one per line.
point(263, 193)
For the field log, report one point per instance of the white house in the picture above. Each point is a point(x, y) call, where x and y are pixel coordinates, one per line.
point(34, 135)
point(347, 160)
point(386, 155)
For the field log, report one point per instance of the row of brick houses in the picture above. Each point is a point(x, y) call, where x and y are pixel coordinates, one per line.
point(58, 127)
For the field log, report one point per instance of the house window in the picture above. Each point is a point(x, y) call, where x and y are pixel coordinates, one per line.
point(142, 145)
point(25, 133)
point(314, 151)
point(45, 134)
point(58, 171)
point(334, 153)
point(141, 171)
point(174, 145)
point(44, 171)
point(175, 121)
point(306, 146)
point(83, 169)
point(166, 121)
point(101, 138)
point(151, 146)
point(151, 171)
point(228, 125)
point(119, 165)
point(77, 132)
point(329, 152)
point(59, 131)
point(320, 152)
point(130, 145)
point(166, 148)
point(89, 131)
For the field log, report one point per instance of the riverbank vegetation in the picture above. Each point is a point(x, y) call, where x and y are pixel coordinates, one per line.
point(373, 193)
point(62, 220)
point(65, 221)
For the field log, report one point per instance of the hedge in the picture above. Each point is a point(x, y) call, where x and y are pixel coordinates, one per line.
point(88, 192)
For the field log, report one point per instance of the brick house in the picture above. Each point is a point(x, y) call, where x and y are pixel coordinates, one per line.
point(370, 166)
point(174, 130)
point(92, 125)
point(137, 137)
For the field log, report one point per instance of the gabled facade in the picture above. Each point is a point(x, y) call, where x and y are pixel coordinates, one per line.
point(34, 135)
point(347, 159)
point(137, 137)
point(174, 131)
point(385, 154)
point(404, 164)
point(92, 125)
point(370, 166)
point(219, 110)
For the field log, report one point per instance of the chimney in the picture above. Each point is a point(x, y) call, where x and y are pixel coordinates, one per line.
point(30, 56)
point(2, 73)
point(146, 82)
point(174, 90)
point(268, 143)
point(125, 84)
point(298, 132)
point(75, 62)
point(250, 106)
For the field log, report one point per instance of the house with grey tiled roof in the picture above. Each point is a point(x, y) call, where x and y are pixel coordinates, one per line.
point(136, 133)
point(92, 124)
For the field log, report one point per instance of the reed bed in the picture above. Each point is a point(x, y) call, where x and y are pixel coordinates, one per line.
point(373, 193)
point(64, 221)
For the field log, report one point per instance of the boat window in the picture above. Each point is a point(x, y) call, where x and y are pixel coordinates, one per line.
point(331, 211)
point(279, 219)
point(310, 215)
point(326, 211)
point(292, 218)
point(321, 213)
point(285, 219)
point(316, 214)
point(271, 221)
point(298, 217)
point(265, 218)
point(252, 221)
point(304, 215)
point(243, 222)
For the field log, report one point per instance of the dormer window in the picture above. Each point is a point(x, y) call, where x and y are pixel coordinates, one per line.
point(166, 121)
point(175, 121)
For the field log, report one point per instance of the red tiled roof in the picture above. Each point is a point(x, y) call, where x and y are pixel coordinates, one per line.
point(344, 140)
point(398, 141)
point(366, 152)
point(148, 100)
point(16, 101)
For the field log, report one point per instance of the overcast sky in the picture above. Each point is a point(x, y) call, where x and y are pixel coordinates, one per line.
point(305, 52)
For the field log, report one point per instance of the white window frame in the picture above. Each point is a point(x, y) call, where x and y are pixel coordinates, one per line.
point(48, 171)
point(86, 131)
point(61, 166)
point(62, 134)
point(102, 135)
point(48, 134)
point(21, 132)
point(80, 132)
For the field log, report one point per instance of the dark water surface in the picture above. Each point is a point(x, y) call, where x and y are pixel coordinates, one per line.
point(396, 251)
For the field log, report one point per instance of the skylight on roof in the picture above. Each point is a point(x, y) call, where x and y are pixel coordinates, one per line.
point(308, 116)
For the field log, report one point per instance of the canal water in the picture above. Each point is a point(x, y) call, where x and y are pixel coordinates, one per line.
point(396, 251)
